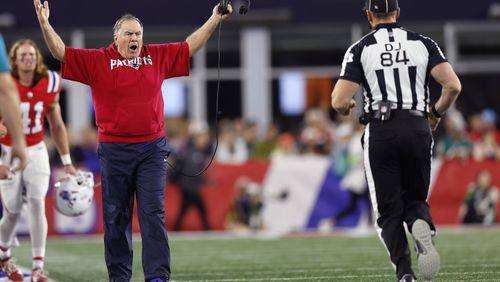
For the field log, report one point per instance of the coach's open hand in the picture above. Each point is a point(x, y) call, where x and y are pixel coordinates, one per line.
point(42, 11)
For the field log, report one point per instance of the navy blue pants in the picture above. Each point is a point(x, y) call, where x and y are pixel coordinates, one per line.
point(138, 169)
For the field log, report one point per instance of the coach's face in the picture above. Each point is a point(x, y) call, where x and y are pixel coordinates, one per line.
point(129, 39)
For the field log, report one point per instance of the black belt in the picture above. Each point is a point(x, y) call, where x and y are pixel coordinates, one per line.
point(367, 117)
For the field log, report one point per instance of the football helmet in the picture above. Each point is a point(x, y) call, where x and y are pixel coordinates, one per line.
point(74, 194)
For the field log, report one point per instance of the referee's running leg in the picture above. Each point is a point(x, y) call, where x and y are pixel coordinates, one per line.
point(397, 162)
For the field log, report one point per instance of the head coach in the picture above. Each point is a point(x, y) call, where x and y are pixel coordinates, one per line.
point(126, 79)
point(393, 66)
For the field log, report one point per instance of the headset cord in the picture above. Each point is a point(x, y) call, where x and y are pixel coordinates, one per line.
point(216, 113)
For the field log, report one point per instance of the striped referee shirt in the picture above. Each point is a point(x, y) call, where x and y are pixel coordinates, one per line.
point(392, 64)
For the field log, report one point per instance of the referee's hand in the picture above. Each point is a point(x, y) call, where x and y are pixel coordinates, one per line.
point(433, 121)
point(352, 105)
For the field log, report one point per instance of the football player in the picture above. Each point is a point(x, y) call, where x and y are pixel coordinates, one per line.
point(39, 94)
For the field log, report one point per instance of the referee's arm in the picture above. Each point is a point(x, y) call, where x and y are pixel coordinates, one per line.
point(447, 78)
point(342, 96)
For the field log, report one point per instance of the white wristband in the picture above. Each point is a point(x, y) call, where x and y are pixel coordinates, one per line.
point(66, 159)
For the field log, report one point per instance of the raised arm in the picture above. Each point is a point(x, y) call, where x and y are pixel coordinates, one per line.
point(446, 77)
point(52, 39)
point(198, 38)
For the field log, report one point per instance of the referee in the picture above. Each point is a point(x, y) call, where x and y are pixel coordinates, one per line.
point(393, 65)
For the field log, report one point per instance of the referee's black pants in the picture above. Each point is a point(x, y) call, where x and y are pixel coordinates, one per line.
point(397, 156)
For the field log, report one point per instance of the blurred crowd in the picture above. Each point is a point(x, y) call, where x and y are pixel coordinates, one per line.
point(477, 138)
point(240, 140)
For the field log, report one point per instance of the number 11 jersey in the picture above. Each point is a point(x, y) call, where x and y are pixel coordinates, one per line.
point(35, 100)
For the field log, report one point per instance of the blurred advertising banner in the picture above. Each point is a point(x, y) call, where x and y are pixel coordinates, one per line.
point(451, 185)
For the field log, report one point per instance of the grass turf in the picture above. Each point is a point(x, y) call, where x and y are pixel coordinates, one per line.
point(466, 255)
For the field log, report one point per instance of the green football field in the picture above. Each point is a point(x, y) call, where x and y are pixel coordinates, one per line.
point(466, 255)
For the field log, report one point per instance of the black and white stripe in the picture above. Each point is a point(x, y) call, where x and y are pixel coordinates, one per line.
point(393, 64)
point(371, 186)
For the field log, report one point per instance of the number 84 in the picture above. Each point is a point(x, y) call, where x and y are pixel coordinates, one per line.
point(386, 58)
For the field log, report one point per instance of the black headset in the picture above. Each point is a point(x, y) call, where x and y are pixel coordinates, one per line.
point(243, 9)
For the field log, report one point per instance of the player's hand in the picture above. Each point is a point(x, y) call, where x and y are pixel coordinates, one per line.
point(4, 172)
point(42, 10)
point(3, 130)
point(217, 14)
point(433, 121)
point(19, 159)
point(70, 169)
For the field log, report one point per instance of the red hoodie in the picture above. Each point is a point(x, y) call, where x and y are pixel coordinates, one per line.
point(126, 94)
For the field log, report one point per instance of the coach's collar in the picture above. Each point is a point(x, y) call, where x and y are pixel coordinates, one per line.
point(387, 25)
